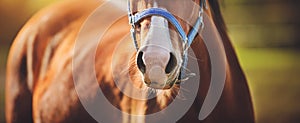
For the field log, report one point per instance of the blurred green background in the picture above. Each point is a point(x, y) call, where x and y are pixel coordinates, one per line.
point(265, 34)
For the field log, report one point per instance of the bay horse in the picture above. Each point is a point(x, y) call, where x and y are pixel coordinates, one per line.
point(48, 70)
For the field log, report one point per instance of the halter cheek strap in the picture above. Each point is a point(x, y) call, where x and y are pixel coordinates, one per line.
point(187, 39)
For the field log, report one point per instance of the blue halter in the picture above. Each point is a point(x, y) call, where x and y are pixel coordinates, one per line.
point(187, 39)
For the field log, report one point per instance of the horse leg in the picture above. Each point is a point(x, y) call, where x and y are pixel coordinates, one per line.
point(18, 94)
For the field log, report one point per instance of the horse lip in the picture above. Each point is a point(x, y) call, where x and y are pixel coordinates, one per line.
point(170, 82)
point(166, 86)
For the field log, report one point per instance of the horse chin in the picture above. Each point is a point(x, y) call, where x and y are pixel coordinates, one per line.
point(167, 87)
point(160, 88)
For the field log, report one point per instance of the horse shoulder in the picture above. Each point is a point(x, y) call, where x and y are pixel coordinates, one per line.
point(33, 50)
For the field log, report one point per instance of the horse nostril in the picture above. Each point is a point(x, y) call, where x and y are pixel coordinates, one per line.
point(140, 63)
point(171, 64)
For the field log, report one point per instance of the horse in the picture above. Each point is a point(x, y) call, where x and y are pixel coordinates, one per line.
point(48, 77)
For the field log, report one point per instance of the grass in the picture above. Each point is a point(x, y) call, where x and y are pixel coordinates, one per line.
point(3, 57)
point(273, 76)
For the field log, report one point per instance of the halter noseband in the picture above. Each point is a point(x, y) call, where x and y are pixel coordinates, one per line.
point(187, 39)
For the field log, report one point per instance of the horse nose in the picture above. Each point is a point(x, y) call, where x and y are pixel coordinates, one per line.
point(171, 64)
point(140, 62)
point(166, 61)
